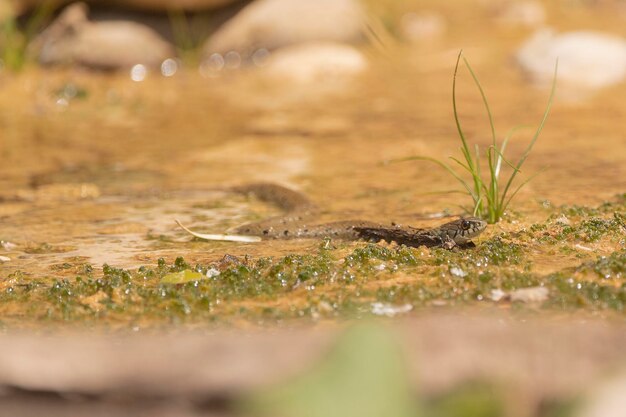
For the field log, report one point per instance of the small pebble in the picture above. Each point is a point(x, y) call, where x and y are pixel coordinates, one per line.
point(530, 295)
point(7, 245)
point(457, 272)
point(390, 310)
point(524, 295)
point(497, 295)
point(562, 219)
point(212, 272)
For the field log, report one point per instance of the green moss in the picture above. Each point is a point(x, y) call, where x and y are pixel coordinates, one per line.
point(612, 266)
point(569, 292)
point(45, 248)
point(402, 255)
point(499, 250)
point(608, 207)
point(591, 229)
point(331, 283)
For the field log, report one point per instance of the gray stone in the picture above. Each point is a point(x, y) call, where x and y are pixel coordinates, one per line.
point(162, 6)
point(587, 60)
point(271, 24)
point(117, 44)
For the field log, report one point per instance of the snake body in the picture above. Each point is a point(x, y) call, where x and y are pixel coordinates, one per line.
point(299, 222)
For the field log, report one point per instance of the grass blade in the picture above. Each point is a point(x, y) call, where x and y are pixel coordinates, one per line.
point(505, 205)
point(484, 97)
point(503, 148)
point(490, 200)
point(444, 166)
point(534, 139)
point(465, 149)
point(461, 164)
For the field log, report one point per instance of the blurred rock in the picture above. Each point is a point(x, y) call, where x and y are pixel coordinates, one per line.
point(73, 39)
point(607, 401)
point(60, 192)
point(270, 24)
point(530, 294)
point(162, 6)
point(521, 13)
point(417, 27)
point(524, 295)
point(587, 60)
point(315, 62)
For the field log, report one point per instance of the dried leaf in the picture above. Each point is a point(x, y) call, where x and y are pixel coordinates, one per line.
point(225, 238)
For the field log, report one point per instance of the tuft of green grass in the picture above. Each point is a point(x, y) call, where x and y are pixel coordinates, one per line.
point(491, 194)
point(187, 46)
point(14, 40)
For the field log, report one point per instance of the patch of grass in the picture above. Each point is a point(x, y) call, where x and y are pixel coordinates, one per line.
point(490, 195)
point(186, 45)
point(14, 40)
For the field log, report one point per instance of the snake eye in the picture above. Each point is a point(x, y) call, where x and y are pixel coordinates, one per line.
point(465, 225)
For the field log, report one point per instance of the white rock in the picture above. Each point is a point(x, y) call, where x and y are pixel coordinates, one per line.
point(315, 62)
point(563, 220)
point(498, 295)
point(4, 258)
point(380, 267)
point(73, 39)
point(270, 24)
point(587, 60)
point(390, 310)
point(7, 245)
point(530, 295)
point(212, 272)
point(524, 295)
point(457, 272)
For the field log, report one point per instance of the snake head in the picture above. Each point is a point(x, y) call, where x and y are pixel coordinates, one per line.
point(464, 229)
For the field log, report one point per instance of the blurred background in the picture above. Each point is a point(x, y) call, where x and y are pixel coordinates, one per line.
point(116, 117)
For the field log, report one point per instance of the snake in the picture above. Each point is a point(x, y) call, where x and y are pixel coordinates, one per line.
point(299, 223)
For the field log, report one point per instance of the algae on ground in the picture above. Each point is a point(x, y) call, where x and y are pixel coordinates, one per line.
point(339, 279)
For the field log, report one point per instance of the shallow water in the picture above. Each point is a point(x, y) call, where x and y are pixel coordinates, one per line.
point(101, 179)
